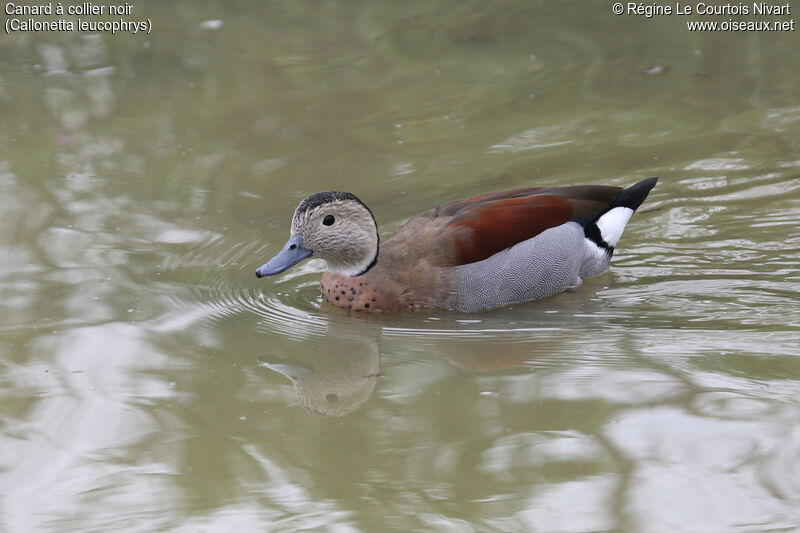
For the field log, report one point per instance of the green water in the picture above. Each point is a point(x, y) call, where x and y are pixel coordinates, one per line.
point(149, 382)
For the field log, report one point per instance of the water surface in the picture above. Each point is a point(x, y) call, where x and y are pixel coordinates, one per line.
point(148, 380)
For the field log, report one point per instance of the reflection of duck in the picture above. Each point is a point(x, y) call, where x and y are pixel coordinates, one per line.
point(484, 252)
point(334, 381)
point(485, 355)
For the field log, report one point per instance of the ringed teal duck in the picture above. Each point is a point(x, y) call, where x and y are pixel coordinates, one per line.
point(487, 251)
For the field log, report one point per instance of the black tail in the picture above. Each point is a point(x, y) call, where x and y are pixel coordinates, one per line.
point(606, 232)
point(634, 195)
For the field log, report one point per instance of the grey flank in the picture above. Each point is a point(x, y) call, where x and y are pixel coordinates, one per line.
point(551, 262)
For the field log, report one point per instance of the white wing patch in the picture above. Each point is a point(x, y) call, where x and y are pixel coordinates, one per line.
point(612, 224)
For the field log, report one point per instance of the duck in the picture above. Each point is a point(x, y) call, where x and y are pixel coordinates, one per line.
point(488, 251)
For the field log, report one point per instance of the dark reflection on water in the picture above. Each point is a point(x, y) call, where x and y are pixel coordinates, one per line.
point(337, 373)
point(149, 382)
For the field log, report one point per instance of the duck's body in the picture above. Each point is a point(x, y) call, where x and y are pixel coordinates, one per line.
point(488, 251)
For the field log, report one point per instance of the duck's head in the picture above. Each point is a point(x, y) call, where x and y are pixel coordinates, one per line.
point(334, 226)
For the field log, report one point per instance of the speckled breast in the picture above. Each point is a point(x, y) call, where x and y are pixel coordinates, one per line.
point(359, 294)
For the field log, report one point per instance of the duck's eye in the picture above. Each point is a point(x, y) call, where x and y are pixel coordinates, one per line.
point(328, 220)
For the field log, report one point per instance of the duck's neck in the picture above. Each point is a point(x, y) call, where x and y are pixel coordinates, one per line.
point(371, 263)
point(354, 269)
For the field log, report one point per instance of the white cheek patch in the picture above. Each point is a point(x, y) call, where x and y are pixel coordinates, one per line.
point(612, 224)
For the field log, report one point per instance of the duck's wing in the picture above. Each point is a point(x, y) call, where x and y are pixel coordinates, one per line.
point(477, 228)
